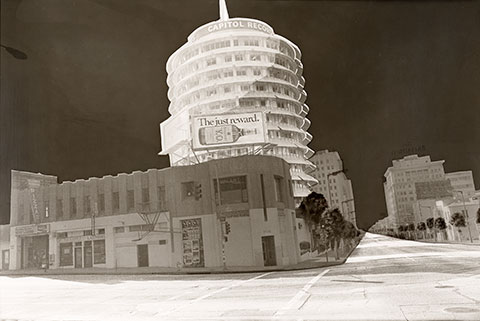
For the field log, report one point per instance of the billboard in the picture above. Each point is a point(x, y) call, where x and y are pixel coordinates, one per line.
point(433, 189)
point(173, 131)
point(228, 130)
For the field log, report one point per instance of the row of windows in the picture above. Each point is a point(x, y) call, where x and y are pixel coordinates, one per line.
point(247, 88)
point(241, 41)
point(266, 103)
point(240, 57)
point(237, 71)
point(71, 205)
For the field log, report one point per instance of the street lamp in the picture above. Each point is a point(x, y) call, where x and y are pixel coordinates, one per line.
point(466, 214)
point(15, 52)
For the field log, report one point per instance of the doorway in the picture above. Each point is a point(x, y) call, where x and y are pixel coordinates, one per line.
point(268, 247)
point(87, 254)
point(78, 254)
point(142, 255)
point(5, 259)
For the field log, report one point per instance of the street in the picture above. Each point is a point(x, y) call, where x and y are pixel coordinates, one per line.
point(384, 279)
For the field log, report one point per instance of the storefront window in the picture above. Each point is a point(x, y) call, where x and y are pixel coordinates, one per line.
point(66, 254)
point(99, 251)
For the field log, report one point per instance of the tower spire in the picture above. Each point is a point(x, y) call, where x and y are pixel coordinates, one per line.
point(223, 10)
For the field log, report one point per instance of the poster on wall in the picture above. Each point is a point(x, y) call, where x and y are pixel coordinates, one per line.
point(228, 130)
point(192, 243)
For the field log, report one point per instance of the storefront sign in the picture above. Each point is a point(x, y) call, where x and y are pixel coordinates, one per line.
point(192, 243)
point(231, 24)
point(227, 130)
point(33, 229)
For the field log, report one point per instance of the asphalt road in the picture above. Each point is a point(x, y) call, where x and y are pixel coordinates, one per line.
point(384, 279)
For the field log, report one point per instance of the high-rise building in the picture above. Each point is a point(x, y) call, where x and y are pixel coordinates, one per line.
point(404, 180)
point(236, 88)
point(333, 183)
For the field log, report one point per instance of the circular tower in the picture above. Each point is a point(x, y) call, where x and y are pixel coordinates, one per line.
point(236, 88)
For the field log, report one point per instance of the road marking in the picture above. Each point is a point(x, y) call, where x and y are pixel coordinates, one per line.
point(235, 284)
point(302, 296)
point(230, 286)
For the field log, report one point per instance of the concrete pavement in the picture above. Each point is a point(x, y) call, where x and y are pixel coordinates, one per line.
point(384, 279)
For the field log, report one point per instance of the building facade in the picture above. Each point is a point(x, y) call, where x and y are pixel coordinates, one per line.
point(237, 210)
point(401, 182)
point(462, 182)
point(333, 183)
point(236, 88)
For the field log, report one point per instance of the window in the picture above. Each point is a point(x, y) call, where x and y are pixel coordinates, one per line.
point(227, 89)
point(62, 235)
point(115, 201)
point(86, 204)
point(257, 72)
point(162, 242)
point(188, 189)
point(228, 74)
point(46, 206)
point(278, 188)
point(232, 190)
point(87, 232)
point(101, 202)
point(260, 88)
point(66, 256)
point(137, 228)
point(145, 195)
point(241, 72)
point(211, 61)
point(245, 87)
point(162, 204)
point(130, 199)
point(73, 206)
point(255, 57)
point(101, 231)
point(119, 229)
point(238, 57)
point(228, 58)
point(99, 251)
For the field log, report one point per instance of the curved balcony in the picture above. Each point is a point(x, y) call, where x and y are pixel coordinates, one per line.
point(307, 139)
point(306, 123)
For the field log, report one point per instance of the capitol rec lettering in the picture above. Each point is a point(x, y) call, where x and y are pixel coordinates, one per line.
point(239, 24)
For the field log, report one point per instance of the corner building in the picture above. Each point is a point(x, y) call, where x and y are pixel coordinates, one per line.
point(236, 88)
point(100, 222)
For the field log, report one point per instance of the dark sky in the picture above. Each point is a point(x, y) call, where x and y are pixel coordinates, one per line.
point(380, 77)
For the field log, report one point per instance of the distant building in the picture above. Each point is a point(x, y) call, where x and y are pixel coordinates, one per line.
point(236, 88)
point(173, 217)
point(4, 247)
point(401, 186)
point(333, 183)
point(462, 181)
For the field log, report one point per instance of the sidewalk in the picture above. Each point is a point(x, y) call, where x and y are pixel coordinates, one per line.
point(315, 262)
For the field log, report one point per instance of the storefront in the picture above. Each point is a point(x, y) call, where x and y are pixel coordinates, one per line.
point(34, 244)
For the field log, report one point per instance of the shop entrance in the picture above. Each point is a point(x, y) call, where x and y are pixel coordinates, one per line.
point(142, 255)
point(87, 253)
point(268, 246)
point(78, 254)
point(35, 252)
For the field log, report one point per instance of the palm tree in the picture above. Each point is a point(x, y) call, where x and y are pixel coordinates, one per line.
point(458, 221)
point(421, 226)
point(440, 224)
point(431, 227)
point(311, 210)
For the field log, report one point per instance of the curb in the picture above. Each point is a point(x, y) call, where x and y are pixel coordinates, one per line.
point(135, 271)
